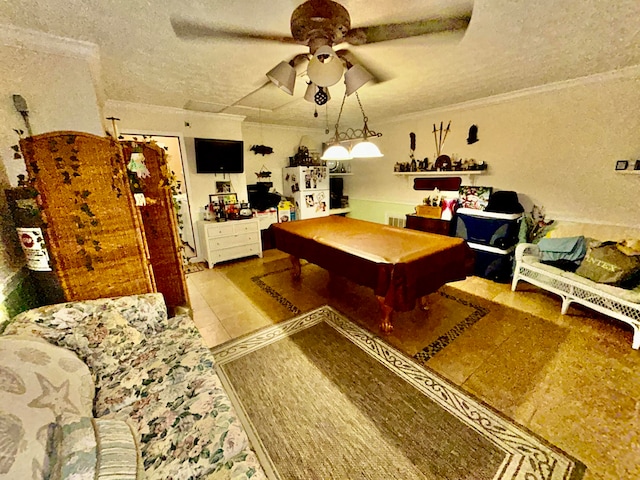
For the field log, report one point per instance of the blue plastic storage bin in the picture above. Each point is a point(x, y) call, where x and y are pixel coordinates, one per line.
point(493, 263)
point(498, 230)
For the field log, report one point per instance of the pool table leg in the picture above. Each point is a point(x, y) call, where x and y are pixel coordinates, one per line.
point(424, 303)
point(385, 323)
point(297, 271)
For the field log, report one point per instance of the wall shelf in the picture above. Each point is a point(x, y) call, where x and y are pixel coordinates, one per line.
point(628, 172)
point(338, 174)
point(451, 173)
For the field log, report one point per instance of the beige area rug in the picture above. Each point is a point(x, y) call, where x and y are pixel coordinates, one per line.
point(424, 333)
point(322, 398)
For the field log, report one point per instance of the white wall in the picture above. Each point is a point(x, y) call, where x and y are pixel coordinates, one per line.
point(555, 145)
point(57, 78)
point(283, 140)
point(136, 118)
point(147, 119)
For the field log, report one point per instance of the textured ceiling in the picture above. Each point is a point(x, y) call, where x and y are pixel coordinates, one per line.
point(509, 45)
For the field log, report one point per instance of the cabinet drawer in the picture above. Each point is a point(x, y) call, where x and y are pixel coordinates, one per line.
point(245, 227)
point(217, 229)
point(233, 240)
point(235, 252)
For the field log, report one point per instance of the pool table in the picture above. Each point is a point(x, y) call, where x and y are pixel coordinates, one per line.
point(400, 265)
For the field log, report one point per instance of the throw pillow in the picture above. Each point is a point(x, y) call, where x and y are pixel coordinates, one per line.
point(38, 382)
point(90, 448)
point(565, 253)
point(607, 264)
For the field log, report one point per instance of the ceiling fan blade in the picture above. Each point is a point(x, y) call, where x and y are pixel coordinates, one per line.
point(190, 29)
point(348, 56)
point(394, 31)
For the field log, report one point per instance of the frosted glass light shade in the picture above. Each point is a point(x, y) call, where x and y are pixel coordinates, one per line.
point(284, 76)
point(325, 68)
point(336, 152)
point(366, 149)
point(356, 77)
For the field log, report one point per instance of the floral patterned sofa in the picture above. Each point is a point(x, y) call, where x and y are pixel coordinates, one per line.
point(150, 373)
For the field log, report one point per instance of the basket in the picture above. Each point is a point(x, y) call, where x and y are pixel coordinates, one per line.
point(428, 212)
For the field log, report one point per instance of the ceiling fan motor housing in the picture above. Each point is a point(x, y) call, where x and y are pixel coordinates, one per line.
point(320, 22)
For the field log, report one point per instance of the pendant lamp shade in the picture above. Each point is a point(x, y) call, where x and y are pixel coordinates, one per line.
point(325, 68)
point(312, 91)
point(336, 152)
point(356, 77)
point(283, 75)
point(366, 149)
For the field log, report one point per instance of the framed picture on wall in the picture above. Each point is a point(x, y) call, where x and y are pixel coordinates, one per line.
point(622, 164)
point(223, 187)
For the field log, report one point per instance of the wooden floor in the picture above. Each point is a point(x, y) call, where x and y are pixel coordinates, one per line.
point(573, 379)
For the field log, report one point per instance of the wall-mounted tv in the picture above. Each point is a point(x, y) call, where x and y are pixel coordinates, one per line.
point(219, 156)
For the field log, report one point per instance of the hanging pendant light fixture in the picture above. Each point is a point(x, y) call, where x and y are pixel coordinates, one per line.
point(363, 149)
point(366, 149)
point(337, 151)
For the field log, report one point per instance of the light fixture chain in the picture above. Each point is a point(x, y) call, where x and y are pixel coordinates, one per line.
point(361, 108)
point(340, 114)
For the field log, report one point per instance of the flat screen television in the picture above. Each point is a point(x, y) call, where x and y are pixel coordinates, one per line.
point(219, 156)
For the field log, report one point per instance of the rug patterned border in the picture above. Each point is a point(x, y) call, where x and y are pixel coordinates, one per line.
point(422, 356)
point(527, 457)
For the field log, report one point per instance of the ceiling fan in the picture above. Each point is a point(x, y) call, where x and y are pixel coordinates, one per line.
point(320, 25)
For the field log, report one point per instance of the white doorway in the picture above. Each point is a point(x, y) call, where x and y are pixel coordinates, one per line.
point(174, 146)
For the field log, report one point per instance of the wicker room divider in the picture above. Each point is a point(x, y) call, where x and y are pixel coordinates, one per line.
point(161, 225)
point(93, 231)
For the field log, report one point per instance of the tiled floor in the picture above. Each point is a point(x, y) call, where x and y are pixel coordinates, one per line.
point(573, 379)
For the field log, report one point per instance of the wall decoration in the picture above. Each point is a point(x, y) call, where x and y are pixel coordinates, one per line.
point(438, 137)
point(261, 150)
point(223, 187)
point(473, 134)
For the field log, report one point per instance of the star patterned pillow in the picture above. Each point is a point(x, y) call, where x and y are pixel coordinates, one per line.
point(38, 383)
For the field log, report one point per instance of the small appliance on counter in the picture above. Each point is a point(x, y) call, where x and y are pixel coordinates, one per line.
point(245, 211)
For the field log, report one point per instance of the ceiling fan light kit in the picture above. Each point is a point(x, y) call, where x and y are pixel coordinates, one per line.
point(320, 25)
point(356, 77)
point(325, 68)
point(317, 95)
point(283, 75)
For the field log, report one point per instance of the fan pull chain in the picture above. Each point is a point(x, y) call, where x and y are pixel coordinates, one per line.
point(326, 119)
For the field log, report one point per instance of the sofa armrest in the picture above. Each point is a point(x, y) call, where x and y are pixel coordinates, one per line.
point(524, 249)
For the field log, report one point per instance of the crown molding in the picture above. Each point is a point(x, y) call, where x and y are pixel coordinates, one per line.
point(630, 72)
point(288, 128)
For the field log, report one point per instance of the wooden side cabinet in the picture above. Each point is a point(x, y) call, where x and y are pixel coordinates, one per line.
point(425, 224)
point(221, 241)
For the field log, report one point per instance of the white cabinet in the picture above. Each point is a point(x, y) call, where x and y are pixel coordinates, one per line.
point(221, 241)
